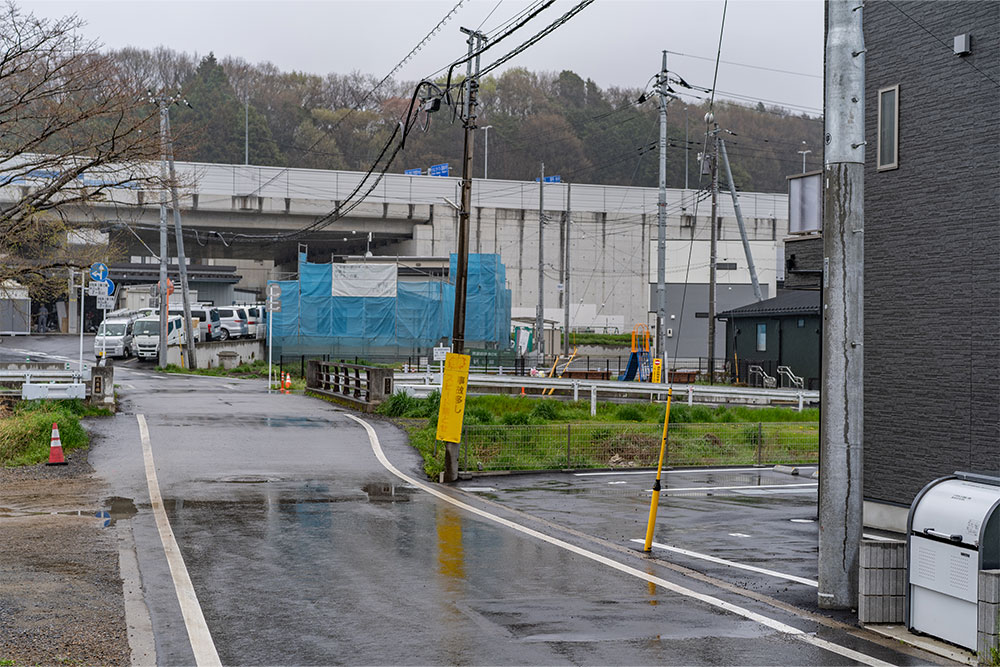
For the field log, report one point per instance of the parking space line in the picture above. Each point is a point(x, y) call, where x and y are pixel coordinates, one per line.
point(773, 488)
point(194, 619)
point(713, 601)
point(670, 472)
point(730, 563)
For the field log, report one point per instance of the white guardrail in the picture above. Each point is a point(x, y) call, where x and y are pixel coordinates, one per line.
point(421, 384)
point(44, 383)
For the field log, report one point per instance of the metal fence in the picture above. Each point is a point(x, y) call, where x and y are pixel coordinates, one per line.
point(488, 448)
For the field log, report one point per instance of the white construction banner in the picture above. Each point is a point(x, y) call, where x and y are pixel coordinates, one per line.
point(377, 280)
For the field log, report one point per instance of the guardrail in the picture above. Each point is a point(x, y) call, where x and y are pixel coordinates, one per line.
point(423, 383)
point(487, 448)
point(359, 386)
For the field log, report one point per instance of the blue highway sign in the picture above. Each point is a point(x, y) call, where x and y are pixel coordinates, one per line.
point(438, 170)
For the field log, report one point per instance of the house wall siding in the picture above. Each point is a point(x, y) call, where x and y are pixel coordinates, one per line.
point(932, 249)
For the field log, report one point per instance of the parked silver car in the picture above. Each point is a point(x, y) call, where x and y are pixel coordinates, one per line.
point(232, 322)
point(209, 323)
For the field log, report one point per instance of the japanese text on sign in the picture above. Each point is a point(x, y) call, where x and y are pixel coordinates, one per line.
point(453, 390)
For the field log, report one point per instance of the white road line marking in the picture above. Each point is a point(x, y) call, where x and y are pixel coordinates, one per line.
point(194, 619)
point(730, 563)
point(802, 520)
point(763, 487)
point(130, 386)
point(626, 569)
point(670, 472)
point(738, 535)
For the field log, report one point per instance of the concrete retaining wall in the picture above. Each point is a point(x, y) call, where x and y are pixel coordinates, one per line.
point(247, 350)
point(882, 582)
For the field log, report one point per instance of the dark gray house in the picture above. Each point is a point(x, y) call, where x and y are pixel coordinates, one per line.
point(781, 332)
point(932, 247)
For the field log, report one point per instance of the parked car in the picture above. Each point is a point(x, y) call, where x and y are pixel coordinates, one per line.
point(114, 337)
point(146, 335)
point(232, 322)
point(255, 321)
point(208, 321)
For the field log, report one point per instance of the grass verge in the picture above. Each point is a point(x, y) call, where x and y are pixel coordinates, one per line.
point(26, 430)
point(514, 433)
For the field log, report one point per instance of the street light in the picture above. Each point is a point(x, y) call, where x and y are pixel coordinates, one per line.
point(486, 152)
point(803, 153)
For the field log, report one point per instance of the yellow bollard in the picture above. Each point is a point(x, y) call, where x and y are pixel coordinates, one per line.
point(656, 486)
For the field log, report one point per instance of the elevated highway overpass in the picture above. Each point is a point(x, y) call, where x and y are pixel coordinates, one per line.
point(259, 216)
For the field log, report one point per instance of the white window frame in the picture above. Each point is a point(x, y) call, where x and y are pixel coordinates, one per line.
point(761, 348)
point(895, 139)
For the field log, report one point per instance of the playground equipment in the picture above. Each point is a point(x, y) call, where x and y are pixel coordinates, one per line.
point(640, 363)
point(559, 373)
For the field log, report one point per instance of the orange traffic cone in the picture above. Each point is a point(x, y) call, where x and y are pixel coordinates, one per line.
point(288, 383)
point(55, 448)
point(281, 384)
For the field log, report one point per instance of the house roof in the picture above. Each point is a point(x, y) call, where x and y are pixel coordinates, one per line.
point(788, 302)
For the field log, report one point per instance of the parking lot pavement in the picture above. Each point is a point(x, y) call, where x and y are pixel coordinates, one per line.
point(752, 527)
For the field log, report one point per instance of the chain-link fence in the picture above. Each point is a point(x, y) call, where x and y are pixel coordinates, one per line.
point(595, 445)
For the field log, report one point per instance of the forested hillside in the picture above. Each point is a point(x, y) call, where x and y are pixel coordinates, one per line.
point(581, 132)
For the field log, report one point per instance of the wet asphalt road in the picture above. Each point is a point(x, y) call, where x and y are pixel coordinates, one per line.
point(303, 549)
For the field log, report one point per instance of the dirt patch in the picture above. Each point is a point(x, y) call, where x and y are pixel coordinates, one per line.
point(60, 590)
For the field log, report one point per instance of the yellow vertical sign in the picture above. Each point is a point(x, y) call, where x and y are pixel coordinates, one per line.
point(657, 371)
point(453, 389)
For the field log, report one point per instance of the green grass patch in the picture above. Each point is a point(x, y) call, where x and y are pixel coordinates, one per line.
point(255, 369)
point(520, 433)
point(25, 432)
point(607, 340)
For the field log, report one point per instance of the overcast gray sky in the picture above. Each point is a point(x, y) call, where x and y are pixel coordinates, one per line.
point(613, 42)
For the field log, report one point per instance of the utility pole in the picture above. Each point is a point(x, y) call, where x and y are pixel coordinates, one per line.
point(713, 256)
point(462, 259)
point(540, 308)
point(739, 221)
point(181, 259)
point(486, 150)
point(462, 263)
point(246, 130)
point(842, 407)
point(661, 222)
point(566, 292)
point(162, 347)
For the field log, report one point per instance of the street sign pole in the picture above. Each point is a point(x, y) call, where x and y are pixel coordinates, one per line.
point(270, 337)
point(82, 303)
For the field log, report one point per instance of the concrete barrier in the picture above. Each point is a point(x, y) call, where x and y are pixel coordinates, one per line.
point(882, 582)
point(247, 350)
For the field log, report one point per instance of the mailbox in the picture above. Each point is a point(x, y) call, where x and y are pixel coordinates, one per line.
point(953, 531)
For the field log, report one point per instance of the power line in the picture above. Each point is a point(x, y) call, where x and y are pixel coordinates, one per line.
point(760, 67)
point(943, 43)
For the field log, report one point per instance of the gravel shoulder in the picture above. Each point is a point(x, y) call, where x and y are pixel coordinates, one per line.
point(61, 600)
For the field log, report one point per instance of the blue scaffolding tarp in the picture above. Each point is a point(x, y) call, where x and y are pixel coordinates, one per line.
point(418, 316)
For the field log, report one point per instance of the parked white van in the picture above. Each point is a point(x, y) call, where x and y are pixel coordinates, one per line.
point(114, 335)
point(146, 335)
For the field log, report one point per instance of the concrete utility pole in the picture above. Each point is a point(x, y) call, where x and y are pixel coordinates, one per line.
point(566, 292)
point(540, 308)
point(739, 221)
point(661, 223)
point(162, 358)
point(713, 257)
point(462, 264)
point(841, 421)
point(181, 259)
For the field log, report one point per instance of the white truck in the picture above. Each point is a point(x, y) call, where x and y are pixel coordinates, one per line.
point(146, 335)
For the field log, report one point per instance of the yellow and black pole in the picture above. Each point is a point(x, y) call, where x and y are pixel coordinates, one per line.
point(656, 485)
